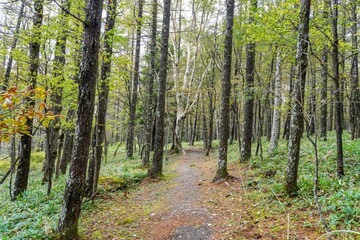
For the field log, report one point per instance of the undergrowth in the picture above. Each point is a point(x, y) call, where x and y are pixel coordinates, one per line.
point(35, 215)
point(339, 197)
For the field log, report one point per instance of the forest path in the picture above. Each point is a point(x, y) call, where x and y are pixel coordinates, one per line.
point(173, 208)
point(185, 216)
point(186, 205)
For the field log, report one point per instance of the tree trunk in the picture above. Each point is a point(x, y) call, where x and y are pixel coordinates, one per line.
point(312, 102)
point(275, 130)
point(249, 93)
point(135, 83)
point(222, 172)
point(337, 93)
point(179, 125)
point(288, 114)
point(194, 130)
point(22, 173)
point(156, 170)
point(204, 123)
point(323, 94)
point(75, 186)
point(13, 46)
point(297, 114)
point(330, 124)
point(68, 143)
point(269, 100)
point(103, 96)
point(150, 87)
point(355, 91)
point(211, 112)
point(58, 159)
point(52, 131)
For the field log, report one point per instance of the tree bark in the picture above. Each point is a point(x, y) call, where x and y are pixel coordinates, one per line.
point(330, 123)
point(156, 170)
point(22, 172)
point(324, 82)
point(211, 111)
point(103, 96)
point(60, 148)
point(150, 87)
point(194, 129)
point(13, 46)
point(135, 83)
point(68, 143)
point(249, 93)
point(222, 172)
point(52, 131)
point(297, 113)
point(204, 122)
point(312, 103)
point(275, 130)
point(74, 191)
point(338, 90)
point(288, 114)
point(269, 99)
point(355, 91)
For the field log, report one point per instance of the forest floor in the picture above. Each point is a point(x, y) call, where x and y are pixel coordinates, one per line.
point(186, 205)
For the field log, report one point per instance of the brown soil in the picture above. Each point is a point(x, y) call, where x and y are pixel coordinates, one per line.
point(187, 205)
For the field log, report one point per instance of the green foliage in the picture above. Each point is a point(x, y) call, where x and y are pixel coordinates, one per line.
point(35, 215)
point(338, 197)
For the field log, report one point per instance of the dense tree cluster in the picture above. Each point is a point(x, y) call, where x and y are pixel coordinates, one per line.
point(157, 74)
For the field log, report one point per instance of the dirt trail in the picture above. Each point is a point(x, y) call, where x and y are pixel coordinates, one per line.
point(186, 218)
point(187, 206)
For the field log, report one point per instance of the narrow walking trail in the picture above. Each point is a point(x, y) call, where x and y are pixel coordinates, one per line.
point(184, 217)
point(168, 209)
point(185, 205)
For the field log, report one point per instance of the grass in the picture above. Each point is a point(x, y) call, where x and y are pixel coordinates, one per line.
point(339, 197)
point(35, 215)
